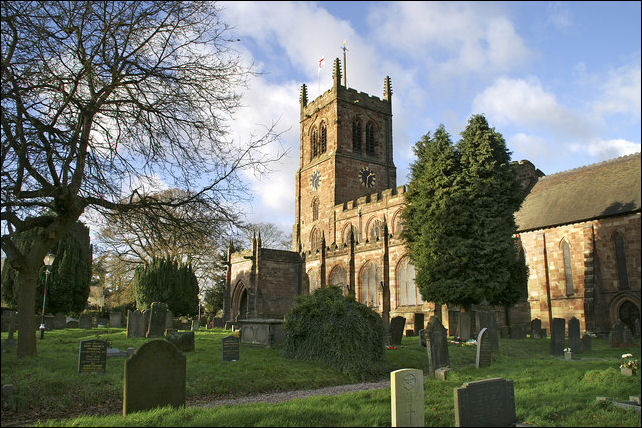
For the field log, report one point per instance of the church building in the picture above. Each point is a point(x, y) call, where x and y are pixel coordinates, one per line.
point(579, 230)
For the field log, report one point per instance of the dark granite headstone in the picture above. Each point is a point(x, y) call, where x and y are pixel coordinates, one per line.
point(154, 377)
point(485, 403)
point(487, 320)
point(557, 336)
point(59, 321)
point(536, 328)
point(482, 358)
point(135, 325)
point(574, 335)
point(397, 325)
point(465, 325)
point(157, 320)
point(230, 348)
point(436, 345)
point(115, 319)
point(586, 343)
point(84, 321)
point(92, 356)
point(183, 340)
point(418, 322)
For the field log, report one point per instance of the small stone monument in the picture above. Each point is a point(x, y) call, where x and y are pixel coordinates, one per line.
point(536, 328)
point(585, 343)
point(574, 335)
point(482, 358)
point(135, 324)
point(407, 398)
point(92, 356)
point(436, 345)
point(397, 325)
point(157, 320)
point(115, 319)
point(485, 403)
point(557, 336)
point(154, 376)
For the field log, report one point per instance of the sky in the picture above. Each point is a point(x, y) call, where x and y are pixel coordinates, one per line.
point(560, 81)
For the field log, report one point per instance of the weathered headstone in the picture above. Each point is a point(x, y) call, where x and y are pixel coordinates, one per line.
point(397, 325)
point(146, 315)
point(453, 323)
point(169, 319)
point(157, 320)
point(422, 339)
point(517, 332)
point(418, 322)
point(485, 403)
point(482, 358)
point(59, 321)
point(536, 328)
point(230, 348)
point(92, 356)
point(407, 398)
point(557, 336)
point(586, 343)
point(636, 327)
point(84, 321)
point(574, 335)
point(115, 319)
point(154, 377)
point(436, 345)
point(487, 320)
point(616, 336)
point(465, 325)
point(183, 340)
point(627, 336)
point(135, 326)
point(196, 323)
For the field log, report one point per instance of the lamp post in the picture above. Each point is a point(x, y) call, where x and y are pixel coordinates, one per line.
point(48, 260)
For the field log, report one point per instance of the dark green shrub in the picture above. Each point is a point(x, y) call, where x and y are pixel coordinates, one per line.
point(338, 330)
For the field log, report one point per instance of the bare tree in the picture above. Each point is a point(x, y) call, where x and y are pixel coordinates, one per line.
point(99, 96)
point(271, 236)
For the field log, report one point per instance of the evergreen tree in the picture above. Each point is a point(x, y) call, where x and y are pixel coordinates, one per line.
point(69, 277)
point(165, 280)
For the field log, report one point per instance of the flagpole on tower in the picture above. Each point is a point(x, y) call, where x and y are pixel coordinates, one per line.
point(345, 77)
point(319, 73)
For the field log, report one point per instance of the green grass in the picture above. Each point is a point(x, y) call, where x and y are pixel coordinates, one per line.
point(548, 391)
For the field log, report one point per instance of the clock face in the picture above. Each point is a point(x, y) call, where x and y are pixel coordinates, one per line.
point(315, 180)
point(367, 177)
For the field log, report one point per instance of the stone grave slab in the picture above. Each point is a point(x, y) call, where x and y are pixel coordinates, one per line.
point(115, 319)
point(436, 345)
point(407, 398)
point(482, 357)
point(465, 325)
point(616, 336)
point(230, 348)
point(536, 328)
point(585, 343)
point(485, 403)
point(487, 320)
point(135, 324)
point(154, 376)
point(157, 320)
point(169, 319)
point(557, 336)
point(183, 340)
point(418, 323)
point(84, 321)
point(92, 356)
point(397, 325)
point(574, 335)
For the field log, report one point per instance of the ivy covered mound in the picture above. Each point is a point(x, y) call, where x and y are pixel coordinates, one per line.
point(338, 330)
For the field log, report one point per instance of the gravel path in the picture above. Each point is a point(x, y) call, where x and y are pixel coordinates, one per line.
point(278, 397)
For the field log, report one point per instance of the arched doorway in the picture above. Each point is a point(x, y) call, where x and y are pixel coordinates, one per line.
point(243, 305)
point(629, 314)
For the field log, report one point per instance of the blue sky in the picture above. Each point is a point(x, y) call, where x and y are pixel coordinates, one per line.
point(560, 81)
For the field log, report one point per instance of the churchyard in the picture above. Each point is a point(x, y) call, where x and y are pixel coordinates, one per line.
point(548, 390)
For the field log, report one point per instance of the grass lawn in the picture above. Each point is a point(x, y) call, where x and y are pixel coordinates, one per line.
point(548, 391)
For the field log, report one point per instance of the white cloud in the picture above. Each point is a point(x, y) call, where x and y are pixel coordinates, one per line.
point(620, 92)
point(559, 16)
point(607, 149)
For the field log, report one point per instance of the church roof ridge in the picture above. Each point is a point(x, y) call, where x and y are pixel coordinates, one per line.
point(591, 166)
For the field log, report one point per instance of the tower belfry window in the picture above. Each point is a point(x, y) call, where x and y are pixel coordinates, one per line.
point(314, 143)
point(324, 141)
point(356, 136)
point(370, 144)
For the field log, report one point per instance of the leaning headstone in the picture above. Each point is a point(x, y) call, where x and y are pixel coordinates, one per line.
point(135, 326)
point(585, 343)
point(59, 321)
point(418, 322)
point(485, 403)
point(536, 328)
point(84, 321)
point(487, 320)
point(407, 398)
point(397, 325)
point(482, 358)
point(157, 320)
point(557, 336)
point(436, 345)
point(616, 336)
point(230, 348)
point(154, 377)
point(92, 356)
point(115, 319)
point(183, 340)
point(574, 335)
point(465, 325)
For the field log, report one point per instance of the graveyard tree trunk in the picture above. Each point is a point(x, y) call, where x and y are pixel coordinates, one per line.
point(26, 312)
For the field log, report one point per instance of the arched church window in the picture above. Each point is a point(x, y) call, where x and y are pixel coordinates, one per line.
point(408, 294)
point(324, 139)
point(314, 142)
point(568, 268)
point(346, 234)
point(338, 278)
point(370, 143)
point(315, 239)
point(620, 259)
point(315, 209)
point(369, 280)
point(356, 136)
point(376, 230)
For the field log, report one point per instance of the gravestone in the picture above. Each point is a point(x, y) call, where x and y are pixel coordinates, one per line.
point(517, 332)
point(59, 321)
point(627, 336)
point(482, 358)
point(422, 339)
point(196, 323)
point(217, 322)
point(183, 340)
point(487, 320)
point(485, 403)
point(92, 356)
point(586, 343)
point(115, 319)
point(453, 323)
point(536, 328)
point(407, 398)
point(230, 348)
point(135, 326)
point(154, 377)
point(84, 321)
point(574, 335)
point(557, 336)
point(616, 336)
point(636, 327)
point(418, 322)
point(465, 325)
point(397, 325)
point(157, 320)
point(169, 320)
point(146, 316)
point(436, 345)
